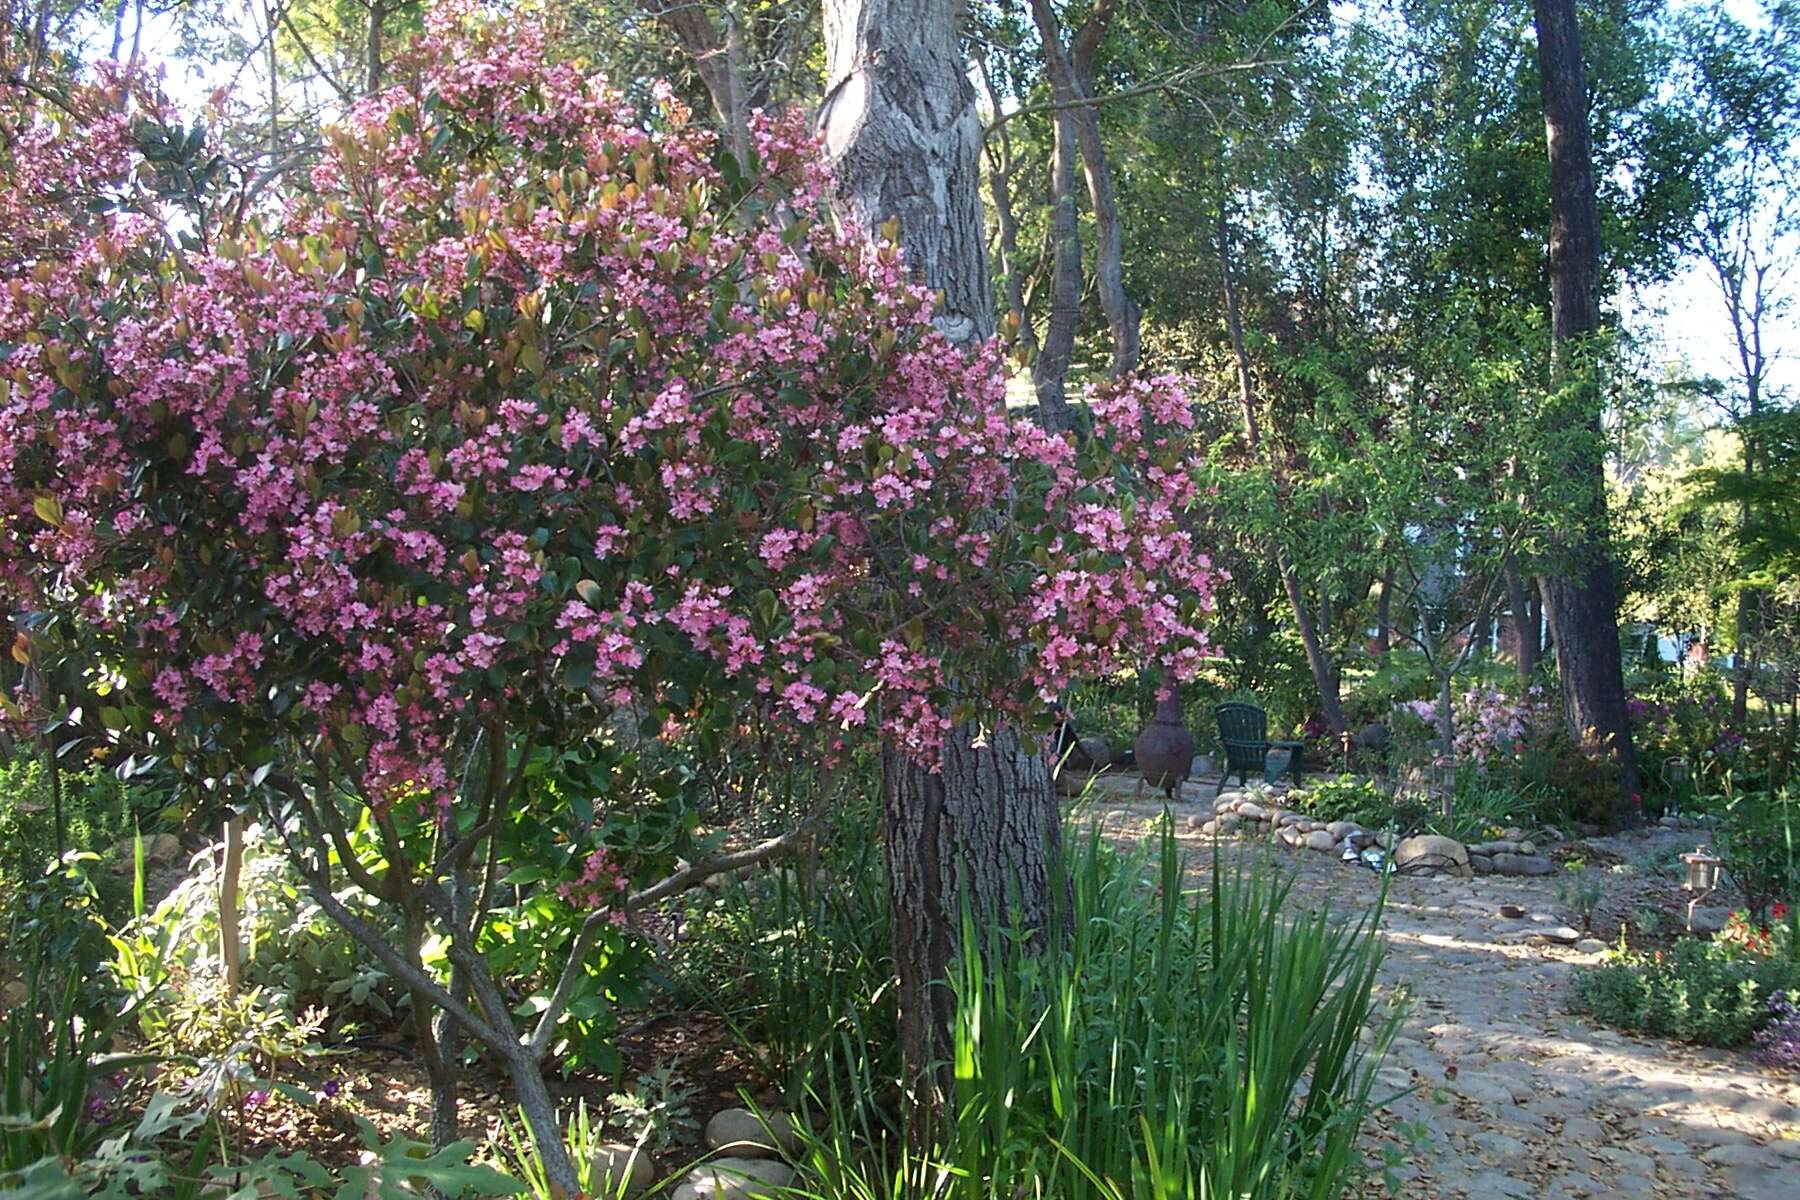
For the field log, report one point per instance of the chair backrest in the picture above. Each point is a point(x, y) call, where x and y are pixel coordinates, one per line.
point(1239, 722)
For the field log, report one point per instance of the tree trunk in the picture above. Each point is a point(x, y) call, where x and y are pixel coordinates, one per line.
point(981, 833)
point(372, 46)
point(1522, 612)
point(902, 132)
point(1324, 671)
point(229, 946)
point(1001, 165)
point(1050, 371)
point(1581, 603)
point(1072, 83)
point(719, 61)
point(1384, 612)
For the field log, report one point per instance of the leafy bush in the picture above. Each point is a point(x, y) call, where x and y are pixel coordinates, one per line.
point(292, 951)
point(1175, 1043)
point(796, 959)
point(1710, 993)
point(1757, 834)
point(1345, 798)
point(97, 815)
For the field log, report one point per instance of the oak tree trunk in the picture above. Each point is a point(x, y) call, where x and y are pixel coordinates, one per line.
point(1522, 613)
point(902, 133)
point(983, 836)
point(719, 61)
point(1581, 602)
point(1072, 85)
point(1050, 371)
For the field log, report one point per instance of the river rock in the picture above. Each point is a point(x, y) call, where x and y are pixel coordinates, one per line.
point(1427, 851)
point(1252, 811)
point(616, 1163)
point(1321, 839)
point(735, 1179)
point(741, 1133)
point(1522, 864)
point(1344, 829)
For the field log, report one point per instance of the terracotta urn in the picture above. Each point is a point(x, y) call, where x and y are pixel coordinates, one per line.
point(1165, 748)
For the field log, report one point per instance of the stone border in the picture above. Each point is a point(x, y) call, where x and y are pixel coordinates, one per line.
point(1244, 814)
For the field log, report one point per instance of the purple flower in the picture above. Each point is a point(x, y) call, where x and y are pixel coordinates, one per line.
point(1778, 1045)
point(255, 1098)
point(330, 1089)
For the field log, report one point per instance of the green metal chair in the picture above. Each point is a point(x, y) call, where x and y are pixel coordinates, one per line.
point(1244, 737)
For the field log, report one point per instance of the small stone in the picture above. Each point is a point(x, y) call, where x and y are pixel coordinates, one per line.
point(1740, 1154)
point(1293, 838)
point(616, 1163)
point(1528, 848)
point(1709, 919)
point(1512, 912)
point(734, 1179)
point(1225, 804)
point(1493, 1185)
point(1592, 946)
point(1251, 811)
point(1343, 829)
point(1321, 839)
point(740, 1132)
point(1229, 823)
point(1481, 864)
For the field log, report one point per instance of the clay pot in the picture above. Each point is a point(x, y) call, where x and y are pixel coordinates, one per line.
point(1165, 748)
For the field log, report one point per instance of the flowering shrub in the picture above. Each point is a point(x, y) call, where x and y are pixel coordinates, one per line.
point(523, 411)
point(530, 415)
point(1778, 1044)
point(1490, 725)
point(1699, 991)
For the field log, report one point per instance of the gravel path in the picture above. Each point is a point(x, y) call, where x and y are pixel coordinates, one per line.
point(1514, 1097)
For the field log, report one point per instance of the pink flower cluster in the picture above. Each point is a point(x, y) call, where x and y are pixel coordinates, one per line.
point(520, 412)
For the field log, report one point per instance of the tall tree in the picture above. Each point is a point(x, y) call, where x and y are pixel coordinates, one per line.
point(1581, 600)
point(981, 827)
point(1741, 90)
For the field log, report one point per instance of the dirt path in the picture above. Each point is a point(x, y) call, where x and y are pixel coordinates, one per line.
point(1516, 1097)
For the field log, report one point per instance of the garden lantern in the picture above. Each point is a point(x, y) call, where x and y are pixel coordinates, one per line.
point(1703, 872)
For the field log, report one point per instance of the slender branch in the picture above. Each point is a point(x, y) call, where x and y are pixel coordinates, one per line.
point(674, 884)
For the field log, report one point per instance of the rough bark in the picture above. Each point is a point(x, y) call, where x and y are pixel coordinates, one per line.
point(1071, 73)
point(1050, 370)
point(979, 833)
point(902, 132)
point(719, 61)
point(903, 135)
point(1581, 603)
point(1522, 612)
point(1318, 660)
